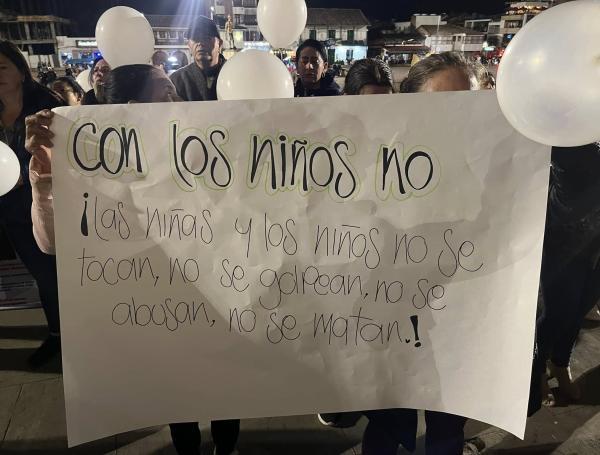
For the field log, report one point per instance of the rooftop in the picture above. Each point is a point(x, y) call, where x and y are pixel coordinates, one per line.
point(166, 21)
point(447, 30)
point(336, 17)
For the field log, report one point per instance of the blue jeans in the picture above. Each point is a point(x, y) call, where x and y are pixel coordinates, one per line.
point(15, 216)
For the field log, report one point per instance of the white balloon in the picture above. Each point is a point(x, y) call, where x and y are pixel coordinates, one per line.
point(281, 21)
point(124, 37)
point(10, 169)
point(83, 79)
point(254, 75)
point(549, 79)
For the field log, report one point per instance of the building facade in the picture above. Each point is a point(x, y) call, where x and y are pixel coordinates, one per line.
point(396, 42)
point(35, 35)
point(516, 16)
point(77, 51)
point(170, 36)
point(344, 32)
point(445, 38)
point(500, 30)
point(246, 34)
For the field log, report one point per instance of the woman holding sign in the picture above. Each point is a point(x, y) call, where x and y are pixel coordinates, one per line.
point(125, 84)
point(20, 96)
point(390, 428)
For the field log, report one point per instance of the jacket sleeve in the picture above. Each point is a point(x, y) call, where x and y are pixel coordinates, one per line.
point(42, 209)
point(179, 83)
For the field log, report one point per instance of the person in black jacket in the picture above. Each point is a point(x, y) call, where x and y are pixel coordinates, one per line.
point(198, 80)
point(21, 96)
point(570, 271)
point(312, 66)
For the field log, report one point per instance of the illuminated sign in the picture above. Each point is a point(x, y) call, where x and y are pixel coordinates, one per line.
point(86, 43)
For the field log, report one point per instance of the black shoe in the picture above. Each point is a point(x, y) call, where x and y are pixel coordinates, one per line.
point(474, 446)
point(48, 350)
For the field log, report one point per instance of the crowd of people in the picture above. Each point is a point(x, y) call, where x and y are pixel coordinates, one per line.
point(570, 260)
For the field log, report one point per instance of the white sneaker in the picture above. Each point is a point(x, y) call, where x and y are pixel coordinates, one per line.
point(235, 452)
point(340, 419)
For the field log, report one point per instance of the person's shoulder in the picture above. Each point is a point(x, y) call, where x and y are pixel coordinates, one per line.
point(329, 86)
point(332, 89)
point(182, 72)
point(40, 97)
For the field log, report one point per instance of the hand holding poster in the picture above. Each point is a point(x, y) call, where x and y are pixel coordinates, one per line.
point(278, 257)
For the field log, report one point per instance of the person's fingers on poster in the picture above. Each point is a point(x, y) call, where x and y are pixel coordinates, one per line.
point(37, 132)
point(38, 138)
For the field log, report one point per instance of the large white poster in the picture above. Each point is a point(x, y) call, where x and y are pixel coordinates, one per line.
point(265, 258)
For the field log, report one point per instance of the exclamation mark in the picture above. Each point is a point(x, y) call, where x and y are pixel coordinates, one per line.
point(84, 222)
point(415, 323)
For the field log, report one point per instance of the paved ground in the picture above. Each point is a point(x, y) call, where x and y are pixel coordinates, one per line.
point(32, 417)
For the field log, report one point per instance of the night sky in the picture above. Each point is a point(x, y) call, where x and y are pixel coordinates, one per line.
point(86, 13)
point(379, 9)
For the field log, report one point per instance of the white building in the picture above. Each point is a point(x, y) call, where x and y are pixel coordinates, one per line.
point(343, 30)
point(517, 16)
point(445, 38)
point(77, 50)
point(34, 35)
point(417, 20)
point(170, 36)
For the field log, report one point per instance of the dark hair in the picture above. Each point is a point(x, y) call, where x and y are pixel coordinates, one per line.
point(159, 58)
point(12, 52)
point(421, 72)
point(316, 45)
point(484, 77)
point(368, 72)
point(72, 83)
point(130, 82)
point(91, 74)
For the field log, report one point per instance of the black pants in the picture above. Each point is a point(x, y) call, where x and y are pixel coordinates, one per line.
point(186, 436)
point(570, 289)
point(390, 428)
point(569, 295)
point(15, 216)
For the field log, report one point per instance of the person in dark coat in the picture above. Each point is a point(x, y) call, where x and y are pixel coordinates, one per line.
point(198, 80)
point(314, 79)
point(21, 96)
point(570, 271)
